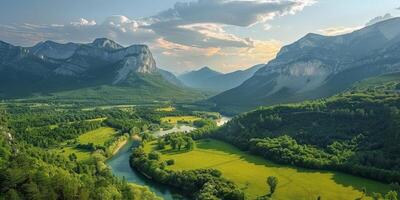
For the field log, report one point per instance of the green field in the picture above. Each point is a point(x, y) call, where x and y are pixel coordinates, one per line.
point(97, 137)
point(250, 173)
point(176, 119)
point(166, 109)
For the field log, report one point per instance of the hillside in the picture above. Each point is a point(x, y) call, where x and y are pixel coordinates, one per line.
point(356, 131)
point(101, 69)
point(318, 66)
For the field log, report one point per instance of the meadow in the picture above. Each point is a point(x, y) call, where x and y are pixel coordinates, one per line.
point(176, 119)
point(250, 173)
point(97, 137)
point(166, 109)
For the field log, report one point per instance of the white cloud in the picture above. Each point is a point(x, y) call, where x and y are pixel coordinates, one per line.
point(83, 22)
point(187, 34)
point(339, 30)
point(379, 19)
point(331, 31)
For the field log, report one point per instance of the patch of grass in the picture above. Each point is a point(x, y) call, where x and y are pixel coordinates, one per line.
point(176, 119)
point(250, 173)
point(80, 154)
point(98, 136)
point(166, 109)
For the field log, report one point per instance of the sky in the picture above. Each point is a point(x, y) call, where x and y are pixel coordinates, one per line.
point(184, 35)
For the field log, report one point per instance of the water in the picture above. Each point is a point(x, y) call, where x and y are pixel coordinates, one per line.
point(120, 167)
point(119, 163)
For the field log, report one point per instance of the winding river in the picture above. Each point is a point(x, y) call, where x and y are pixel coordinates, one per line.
point(119, 164)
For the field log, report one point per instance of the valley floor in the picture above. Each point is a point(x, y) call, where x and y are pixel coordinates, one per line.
point(250, 173)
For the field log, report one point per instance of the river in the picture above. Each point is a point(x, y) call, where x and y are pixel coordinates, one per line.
point(119, 163)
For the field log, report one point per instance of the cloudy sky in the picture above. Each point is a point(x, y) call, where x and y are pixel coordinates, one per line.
point(226, 35)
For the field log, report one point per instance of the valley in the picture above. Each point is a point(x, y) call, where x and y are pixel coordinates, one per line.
point(93, 119)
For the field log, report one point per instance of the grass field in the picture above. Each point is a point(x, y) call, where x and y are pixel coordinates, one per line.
point(166, 109)
point(176, 119)
point(250, 173)
point(97, 137)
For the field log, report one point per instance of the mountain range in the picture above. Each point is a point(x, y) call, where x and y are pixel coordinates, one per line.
point(318, 66)
point(210, 80)
point(51, 67)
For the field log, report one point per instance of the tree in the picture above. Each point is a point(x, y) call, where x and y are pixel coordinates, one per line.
point(189, 143)
point(272, 182)
point(391, 195)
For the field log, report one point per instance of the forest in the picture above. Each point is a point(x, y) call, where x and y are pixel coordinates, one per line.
point(357, 132)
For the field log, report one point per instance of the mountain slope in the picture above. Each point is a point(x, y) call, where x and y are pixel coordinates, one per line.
point(318, 66)
point(223, 82)
point(50, 67)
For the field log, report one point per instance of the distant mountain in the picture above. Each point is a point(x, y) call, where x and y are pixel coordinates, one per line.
point(50, 67)
point(195, 78)
point(318, 66)
point(209, 80)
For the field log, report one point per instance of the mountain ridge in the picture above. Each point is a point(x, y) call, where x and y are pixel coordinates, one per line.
point(50, 67)
point(318, 66)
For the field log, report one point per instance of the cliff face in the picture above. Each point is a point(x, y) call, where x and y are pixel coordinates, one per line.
point(319, 66)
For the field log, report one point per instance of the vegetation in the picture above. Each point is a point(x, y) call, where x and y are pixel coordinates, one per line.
point(179, 119)
point(27, 172)
point(250, 173)
point(200, 183)
point(355, 132)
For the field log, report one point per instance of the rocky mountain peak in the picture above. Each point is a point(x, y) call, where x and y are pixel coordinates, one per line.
point(106, 44)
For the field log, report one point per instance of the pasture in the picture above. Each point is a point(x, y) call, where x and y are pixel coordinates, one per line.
point(250, 173)
point(177, 119)
point(97, 137)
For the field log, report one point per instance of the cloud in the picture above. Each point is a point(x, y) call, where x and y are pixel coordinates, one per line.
point(201, 23)
point(379, 19)
point(188, 33)
point(84, 22)
point(332, 31)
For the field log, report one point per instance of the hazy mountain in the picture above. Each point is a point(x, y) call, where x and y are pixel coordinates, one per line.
point(50, 67)
point(318, 66)
point(207, 79)
point(195, 78)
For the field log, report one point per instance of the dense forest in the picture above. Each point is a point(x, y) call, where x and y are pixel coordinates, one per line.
point(357, 132)
point(28, 172)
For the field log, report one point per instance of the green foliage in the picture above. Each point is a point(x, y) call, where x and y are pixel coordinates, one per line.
point(272, 182)
point(201, 183)
point(356, 132)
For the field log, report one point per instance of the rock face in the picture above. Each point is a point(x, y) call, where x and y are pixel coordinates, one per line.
point(53, 65)
point(318, 66)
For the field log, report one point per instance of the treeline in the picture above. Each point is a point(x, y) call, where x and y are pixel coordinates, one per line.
point(28, 172)
point(48, 136)
point(202, 184)
point(357, 132)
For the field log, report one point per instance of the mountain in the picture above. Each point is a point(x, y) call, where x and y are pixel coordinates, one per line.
point(53, 68)
point(219, 82)
point(318, 66)
point(195, 78)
